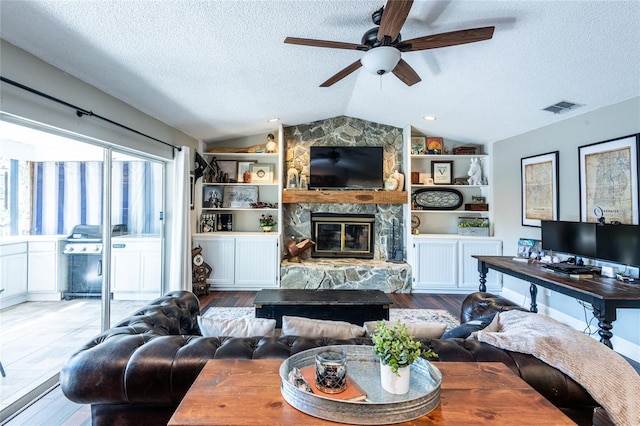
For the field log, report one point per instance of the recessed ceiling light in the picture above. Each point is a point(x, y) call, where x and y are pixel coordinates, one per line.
point(430, 118)
point(273, 120)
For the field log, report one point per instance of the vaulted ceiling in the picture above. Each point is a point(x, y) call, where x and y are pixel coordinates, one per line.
point(220, 69)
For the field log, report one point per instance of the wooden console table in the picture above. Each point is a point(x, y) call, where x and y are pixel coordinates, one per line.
point(247, 392)
point(606, 295)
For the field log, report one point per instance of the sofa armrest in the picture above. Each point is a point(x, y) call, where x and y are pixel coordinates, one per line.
point(481, 304)
point(174, 313)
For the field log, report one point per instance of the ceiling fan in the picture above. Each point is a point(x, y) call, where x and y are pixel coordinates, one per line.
point(383, 45)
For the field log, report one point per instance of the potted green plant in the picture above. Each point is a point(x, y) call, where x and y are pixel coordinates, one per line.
point(397, 350)
point(267, 222)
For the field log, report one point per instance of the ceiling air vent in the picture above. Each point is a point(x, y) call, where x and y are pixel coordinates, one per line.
point(560, 107)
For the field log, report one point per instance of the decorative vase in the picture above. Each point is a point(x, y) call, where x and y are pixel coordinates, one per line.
point(395, 384)
point(267, 228)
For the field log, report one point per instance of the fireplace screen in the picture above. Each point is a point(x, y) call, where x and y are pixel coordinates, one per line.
point(339, 235)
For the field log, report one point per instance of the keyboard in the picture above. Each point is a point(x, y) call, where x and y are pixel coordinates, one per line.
point(567, 268)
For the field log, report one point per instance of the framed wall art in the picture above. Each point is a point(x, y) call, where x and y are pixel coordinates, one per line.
point(418, 145)
point(228, 171)
point(261, 173)
point(442, 172)
point(192, 187)
point(212, 196)
point(239, 196)
point(244, 171)
point(609, 180)
point(224, 222)
point(539, 177)
point(434, 145)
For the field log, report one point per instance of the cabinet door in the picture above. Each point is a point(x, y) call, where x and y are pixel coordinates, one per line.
point(151, 270)
point(13, 274)
point(469, 276)
point(43, 266)
point(435, 263)
point(219, 253)
point(257, 262)
point(125, 268)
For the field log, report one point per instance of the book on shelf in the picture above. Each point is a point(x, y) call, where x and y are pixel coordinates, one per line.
point(352, 393)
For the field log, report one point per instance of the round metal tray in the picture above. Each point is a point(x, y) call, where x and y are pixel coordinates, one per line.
point(380, 407)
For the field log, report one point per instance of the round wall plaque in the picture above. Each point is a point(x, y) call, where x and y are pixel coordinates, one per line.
point(438, 198)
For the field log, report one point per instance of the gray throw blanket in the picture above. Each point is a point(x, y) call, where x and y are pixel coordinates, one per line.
point(608, 377)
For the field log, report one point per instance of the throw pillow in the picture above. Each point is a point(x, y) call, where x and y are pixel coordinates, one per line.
point(464, 330)
point(418, 330)
point(242, 327)
point(307, 327)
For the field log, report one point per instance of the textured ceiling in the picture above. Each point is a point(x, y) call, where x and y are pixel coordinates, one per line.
point(220, 69)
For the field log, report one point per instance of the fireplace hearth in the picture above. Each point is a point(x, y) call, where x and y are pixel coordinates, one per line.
point(340, 235)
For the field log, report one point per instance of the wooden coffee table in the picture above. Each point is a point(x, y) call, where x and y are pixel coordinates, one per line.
point(247, 392)
point(354, 306)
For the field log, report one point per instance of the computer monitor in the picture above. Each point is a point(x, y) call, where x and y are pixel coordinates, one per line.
point(574, 238)
point(619, 244)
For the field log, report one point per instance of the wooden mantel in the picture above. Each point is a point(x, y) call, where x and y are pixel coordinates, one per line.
point(344, 197)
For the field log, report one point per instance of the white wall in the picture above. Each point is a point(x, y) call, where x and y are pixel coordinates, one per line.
point(24, 68)
point(565, 136)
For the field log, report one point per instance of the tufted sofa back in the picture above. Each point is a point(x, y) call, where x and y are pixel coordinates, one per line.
point(142, 368)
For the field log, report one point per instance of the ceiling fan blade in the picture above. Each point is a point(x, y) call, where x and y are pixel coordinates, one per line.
point(342, 74)
point(393, 17)
point(406, 74)
point(452, 38)
point(325, 43)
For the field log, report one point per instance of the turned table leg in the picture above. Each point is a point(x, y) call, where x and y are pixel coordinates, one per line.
point(604, 325)
point(483, 270)
point(533, 290)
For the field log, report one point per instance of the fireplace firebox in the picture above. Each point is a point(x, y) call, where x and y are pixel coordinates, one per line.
point(343, 235)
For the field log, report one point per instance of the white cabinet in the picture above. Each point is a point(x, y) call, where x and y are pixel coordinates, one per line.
point(136, 268)
point(13, 273)
point(435, 263)
point(444, 264)
point(240, 261)
point(219, 252)
point(47, 270)
point(468, 275)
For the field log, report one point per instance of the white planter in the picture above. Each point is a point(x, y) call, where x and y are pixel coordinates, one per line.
point(392, 383)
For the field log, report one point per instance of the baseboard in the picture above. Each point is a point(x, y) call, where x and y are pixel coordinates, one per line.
point(622, 346)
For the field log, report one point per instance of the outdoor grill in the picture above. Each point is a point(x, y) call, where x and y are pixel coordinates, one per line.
point(84, 254)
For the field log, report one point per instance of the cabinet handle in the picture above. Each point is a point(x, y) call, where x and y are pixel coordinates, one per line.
point(100, 268)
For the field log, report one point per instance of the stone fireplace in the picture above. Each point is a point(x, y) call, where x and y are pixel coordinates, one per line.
point(385, 267)
point(343, 235)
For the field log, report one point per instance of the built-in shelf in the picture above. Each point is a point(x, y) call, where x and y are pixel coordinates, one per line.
point(345, 197)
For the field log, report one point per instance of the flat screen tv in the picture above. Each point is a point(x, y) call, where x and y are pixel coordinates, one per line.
point(345, 167)
point(619, 244)
point(574, 238)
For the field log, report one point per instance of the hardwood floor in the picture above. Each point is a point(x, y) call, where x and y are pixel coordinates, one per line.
point(52, 408)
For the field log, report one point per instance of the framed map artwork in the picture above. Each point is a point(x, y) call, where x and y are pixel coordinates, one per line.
point(539, 176)
point(609, 180)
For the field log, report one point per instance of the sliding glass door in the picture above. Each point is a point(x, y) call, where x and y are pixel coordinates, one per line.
point(80, 248)
point(135, 247)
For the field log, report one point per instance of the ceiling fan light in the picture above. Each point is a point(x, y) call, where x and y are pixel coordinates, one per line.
point(380, 60)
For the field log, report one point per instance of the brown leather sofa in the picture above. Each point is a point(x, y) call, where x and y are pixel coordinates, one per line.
point(137, 372)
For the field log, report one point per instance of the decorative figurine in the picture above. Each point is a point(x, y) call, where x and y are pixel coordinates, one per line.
point(271, 143)
point(475, 172)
